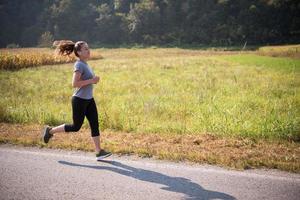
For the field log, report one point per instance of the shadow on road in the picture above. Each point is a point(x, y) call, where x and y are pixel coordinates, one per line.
point(174, 184)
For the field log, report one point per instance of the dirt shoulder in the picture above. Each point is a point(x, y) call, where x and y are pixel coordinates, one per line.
point(236, 153)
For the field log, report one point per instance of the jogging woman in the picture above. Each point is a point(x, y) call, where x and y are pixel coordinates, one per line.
point(83, 103)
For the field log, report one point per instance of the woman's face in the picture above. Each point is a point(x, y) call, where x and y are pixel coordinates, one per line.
point(84, 52)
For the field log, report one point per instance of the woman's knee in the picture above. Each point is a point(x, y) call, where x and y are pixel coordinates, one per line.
point(72, 128)
point(76, 128)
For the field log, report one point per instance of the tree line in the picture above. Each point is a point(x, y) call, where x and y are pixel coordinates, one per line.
point(150, 22)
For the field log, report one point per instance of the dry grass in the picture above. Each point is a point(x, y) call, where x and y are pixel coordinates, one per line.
point(292, 51)
point(153, 53)
point(15, 59)
point(238, 153)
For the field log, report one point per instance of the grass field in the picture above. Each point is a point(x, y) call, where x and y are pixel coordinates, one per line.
point(292, 51)
point(169, 93)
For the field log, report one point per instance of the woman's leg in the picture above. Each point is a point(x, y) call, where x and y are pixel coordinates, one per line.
point(57, 129)
point(96, 141)
point(79, 107)
point(92, 116)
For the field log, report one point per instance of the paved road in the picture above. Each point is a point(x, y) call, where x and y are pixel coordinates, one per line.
point(32, 173)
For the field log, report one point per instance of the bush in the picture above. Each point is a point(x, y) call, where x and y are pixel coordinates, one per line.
point(46, 40)
point(12, 46)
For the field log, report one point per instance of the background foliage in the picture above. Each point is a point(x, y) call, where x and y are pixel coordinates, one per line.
point(151, 22)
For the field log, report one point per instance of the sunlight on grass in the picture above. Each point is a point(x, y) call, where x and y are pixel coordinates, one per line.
point(16, 59)
point(292, 51)
point(183, 92)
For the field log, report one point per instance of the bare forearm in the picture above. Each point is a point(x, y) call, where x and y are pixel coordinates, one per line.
point(82, 83)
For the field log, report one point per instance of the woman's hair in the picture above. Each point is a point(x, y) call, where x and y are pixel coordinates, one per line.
point(66, 47)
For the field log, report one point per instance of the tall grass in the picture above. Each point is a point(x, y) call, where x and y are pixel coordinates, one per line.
point(15, 59)
point(167, 91)
point(280, 51)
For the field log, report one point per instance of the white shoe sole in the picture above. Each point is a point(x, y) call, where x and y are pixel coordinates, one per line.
point(102, 157)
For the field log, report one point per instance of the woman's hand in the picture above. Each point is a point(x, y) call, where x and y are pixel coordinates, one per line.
point(78, 83)
point(96, 79)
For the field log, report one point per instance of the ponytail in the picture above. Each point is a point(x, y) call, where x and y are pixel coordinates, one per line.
point(64, 47)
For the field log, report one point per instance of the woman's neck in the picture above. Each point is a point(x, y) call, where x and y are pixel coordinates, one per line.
point(82, 60)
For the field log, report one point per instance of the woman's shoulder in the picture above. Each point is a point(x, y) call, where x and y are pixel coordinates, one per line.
point(80, 63)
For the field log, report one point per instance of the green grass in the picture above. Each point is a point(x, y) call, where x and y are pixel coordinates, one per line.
point(279, 64)
point(167, 91)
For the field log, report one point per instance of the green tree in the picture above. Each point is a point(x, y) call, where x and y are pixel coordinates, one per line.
point(143, 20)
point(109, 28)
point(217, 22)
point(46, 40)
point(73, 19)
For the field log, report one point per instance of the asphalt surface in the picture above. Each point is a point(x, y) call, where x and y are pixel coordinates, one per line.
point(33, 173)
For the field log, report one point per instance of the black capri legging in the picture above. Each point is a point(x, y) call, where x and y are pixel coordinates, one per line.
point(81, 108)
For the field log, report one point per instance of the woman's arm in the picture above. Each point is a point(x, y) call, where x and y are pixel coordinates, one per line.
point(78, 83)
